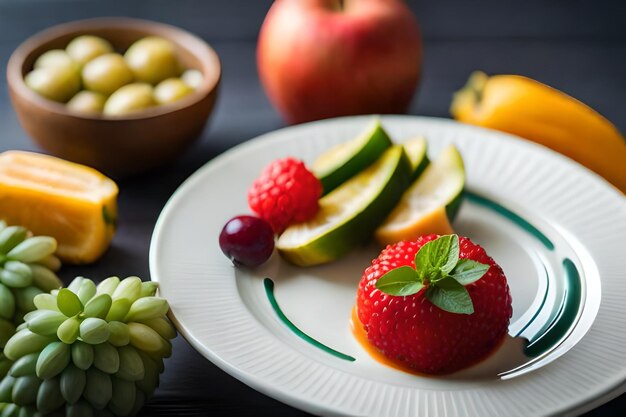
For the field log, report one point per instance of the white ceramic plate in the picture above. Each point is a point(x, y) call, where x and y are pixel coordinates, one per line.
point(557, 230)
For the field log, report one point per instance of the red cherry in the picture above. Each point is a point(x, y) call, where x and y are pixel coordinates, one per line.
point(247, 240)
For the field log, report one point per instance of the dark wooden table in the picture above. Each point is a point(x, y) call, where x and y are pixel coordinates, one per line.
point(577, 46)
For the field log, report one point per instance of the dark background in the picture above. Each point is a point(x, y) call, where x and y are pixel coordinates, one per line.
point(576, 46)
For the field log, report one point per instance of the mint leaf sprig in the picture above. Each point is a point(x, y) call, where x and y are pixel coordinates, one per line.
point(439, 269)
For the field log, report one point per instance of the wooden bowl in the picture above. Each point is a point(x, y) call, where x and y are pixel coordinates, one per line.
point(118, 146)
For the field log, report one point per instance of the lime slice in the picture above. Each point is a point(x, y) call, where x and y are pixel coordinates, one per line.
point(415, 149)
point(342, 162)
point(431, 202)
point(349, 215)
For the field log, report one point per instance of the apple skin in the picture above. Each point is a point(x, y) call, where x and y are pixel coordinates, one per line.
point(325, 58)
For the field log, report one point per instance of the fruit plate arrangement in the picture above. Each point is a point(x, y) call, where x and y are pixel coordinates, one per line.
point(556, 229)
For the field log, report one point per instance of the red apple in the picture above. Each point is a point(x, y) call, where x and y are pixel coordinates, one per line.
point(326, 58)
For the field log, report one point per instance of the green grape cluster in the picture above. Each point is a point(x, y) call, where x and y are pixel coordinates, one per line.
point(27, 265)
point(88, 350)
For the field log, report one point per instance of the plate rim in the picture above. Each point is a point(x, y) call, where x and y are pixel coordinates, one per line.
point(284, 395)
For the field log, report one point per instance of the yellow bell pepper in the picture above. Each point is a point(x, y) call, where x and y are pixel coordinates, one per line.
point(74, 204)
point(535, 111)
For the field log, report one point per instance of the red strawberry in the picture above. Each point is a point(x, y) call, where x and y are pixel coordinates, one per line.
point(285, 193)
point(447, 313)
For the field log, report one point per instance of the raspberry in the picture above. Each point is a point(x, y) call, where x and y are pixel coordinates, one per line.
point(414, 331)
point(285, 193)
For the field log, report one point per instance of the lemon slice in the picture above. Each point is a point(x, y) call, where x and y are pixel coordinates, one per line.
point(70, 202)
point(348, 216)
point(415, 149)
point(347, 159)
point(430, 203)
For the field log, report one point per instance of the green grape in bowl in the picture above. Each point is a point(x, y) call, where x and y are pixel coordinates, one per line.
point(83, 49)
point(152, 60)
point(87, 102)
point(171, 90)
point(56, 58)
point(106, 73)
point(129, 99)
point(193, 78)
point(57, 83)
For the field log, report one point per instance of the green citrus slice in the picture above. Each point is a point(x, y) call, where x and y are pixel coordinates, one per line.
point(347, 159)
point(348, 216)
point(430, 204)
point(415, 149)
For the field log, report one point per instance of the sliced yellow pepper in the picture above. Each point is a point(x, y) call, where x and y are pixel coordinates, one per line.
point(535, 111)
point(73, 203)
